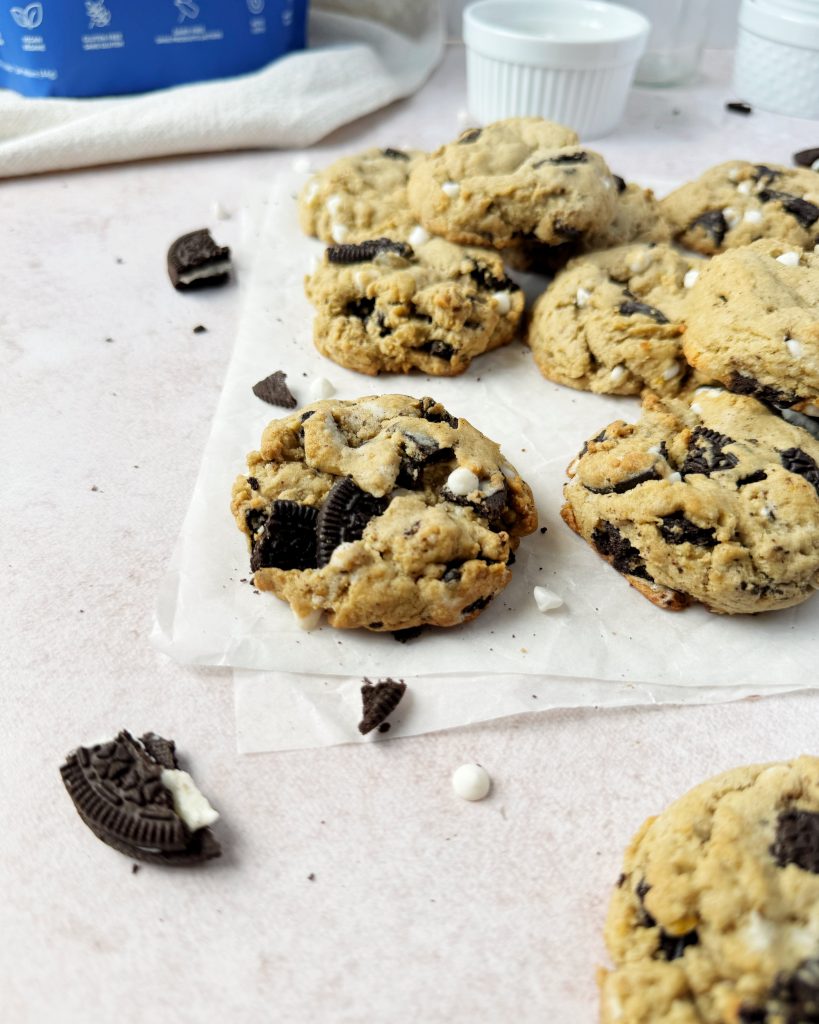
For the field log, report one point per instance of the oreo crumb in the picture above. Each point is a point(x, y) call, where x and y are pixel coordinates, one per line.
point(274, 391)
point(344, 516)
point(404, 635)
point(739, 107)
point(394, 154)
point(378, 701)
point(797, 840)
point(200, 329)
point(630, 307)
point(311, 877)
point(363, 252)
point(134, 868)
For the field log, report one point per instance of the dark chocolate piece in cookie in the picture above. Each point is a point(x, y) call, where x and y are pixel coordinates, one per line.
point(378, 701)
point(196, 261)
point(275, 391)
point(133, 797)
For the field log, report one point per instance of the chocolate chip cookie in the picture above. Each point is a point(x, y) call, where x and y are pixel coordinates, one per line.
point(737, 202)
point(753, 323)
point(714, 917)
point(613, 322)
point(514, 181)
point(386, 513)
point(360, 197)
point(384, 306)
point(716, 502)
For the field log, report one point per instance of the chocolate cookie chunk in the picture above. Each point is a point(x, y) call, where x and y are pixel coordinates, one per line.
point(386, 513)
point(378, 701)
point(134, 797)
point(713, 501)
point(713, 918)
point(196, 261)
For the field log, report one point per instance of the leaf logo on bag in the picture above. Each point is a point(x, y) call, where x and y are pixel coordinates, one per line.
point(28, 17)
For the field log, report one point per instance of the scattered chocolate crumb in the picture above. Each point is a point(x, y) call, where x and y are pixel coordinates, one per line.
point(134, 868)
point(120, 259)
point(274, 390)
point(253, 483)
point(109, 340)
point(739, 107)
point(384, 727)
point(200, 329)
point(543, 529)
point(378, 701)
point(311, 877)
point(403, 635)
point(94, 487)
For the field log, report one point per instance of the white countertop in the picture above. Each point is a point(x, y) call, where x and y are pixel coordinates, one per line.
point(423, 907)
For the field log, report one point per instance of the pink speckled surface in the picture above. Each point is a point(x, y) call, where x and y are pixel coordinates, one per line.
point(423, 908)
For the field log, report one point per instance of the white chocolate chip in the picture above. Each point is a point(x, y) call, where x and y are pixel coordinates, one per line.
point(451, 189)
point(509, 471)
point(462, 481)
point(502, 301)
point(582, 298)
point(788, 259)
point(732, 217)
point(320, 388)
point(332, 205)
point(752, 216)
point(465, 118)
point(219, 211)
point(546, 599)
point(607, 183)
point(655, 449)
point(339, 232)
point(639, 261)
point(189, 803)
point(311, 192)
point(617, 373)
point(815, 165)
point(471, 782)
point(794, 347)
point(673, 478)
point(745, 187)
point(697, 408)
point(691, 278)
point(708, 389)
point(733, 174)
point(670, 372)
point(418, 236)
point(310, 621)
point(312, 265)
point(301, 164)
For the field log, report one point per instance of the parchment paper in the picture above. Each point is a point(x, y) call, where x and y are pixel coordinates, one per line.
point(604, 633)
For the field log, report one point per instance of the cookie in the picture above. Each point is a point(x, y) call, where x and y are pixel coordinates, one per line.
point(613, 322)
point(637, 218)
point(196, 261)
point(753, 323)
point(737, 202)
point(713, 920)
point(716, 502)
point(385, 513)
point(514, 181)
point(360, 197)
point(134, 797)
point(384, 306)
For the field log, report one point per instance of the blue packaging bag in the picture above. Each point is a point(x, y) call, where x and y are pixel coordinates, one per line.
point(110, 47)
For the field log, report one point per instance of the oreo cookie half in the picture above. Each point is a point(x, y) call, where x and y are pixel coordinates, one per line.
point(133, 796)
point(196, 261)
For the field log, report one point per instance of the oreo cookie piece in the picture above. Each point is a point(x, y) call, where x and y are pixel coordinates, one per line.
point(378, 701)
point(285, 538)
point(363, 252)
point(196, 261)
point(344, 516)
point(133, 796)
point(807, 158)
point(275, 391)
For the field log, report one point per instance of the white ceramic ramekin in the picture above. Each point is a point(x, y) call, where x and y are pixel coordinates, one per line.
point(776, 64)
point(570, 61)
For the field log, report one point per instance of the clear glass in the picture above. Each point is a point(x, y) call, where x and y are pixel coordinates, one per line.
point(678, 30)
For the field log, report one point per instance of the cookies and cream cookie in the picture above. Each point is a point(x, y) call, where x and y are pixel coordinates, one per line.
point(737, 202)
point(715, 918)
point(613, 321)
point(716, 502)
point(518, 180)
point(385, 513)
point(385, 306)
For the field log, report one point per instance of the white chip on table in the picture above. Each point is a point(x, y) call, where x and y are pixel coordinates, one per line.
point(471, 782)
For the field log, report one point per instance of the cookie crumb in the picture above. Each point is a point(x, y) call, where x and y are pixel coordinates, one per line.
point(378, 701)
point(94, 487)
point(739, 107)
point(311, 877)
point(134, 868)
point(471, 782)
point(274, 390)
point(200, 329)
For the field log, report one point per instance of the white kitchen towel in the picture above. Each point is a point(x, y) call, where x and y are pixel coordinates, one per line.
point(362, 55)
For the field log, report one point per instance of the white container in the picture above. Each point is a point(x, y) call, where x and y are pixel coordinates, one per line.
point(570, 61)
point(678, 31)
point(776, 65)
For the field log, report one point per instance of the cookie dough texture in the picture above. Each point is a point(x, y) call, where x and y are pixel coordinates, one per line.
point(523, 179)
point(359, 197)
point(613, 322)
point(386, 307)
point(717, 502)
point(386, 513)
point(753, 323)
point(737, 202)
point(715, 919)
